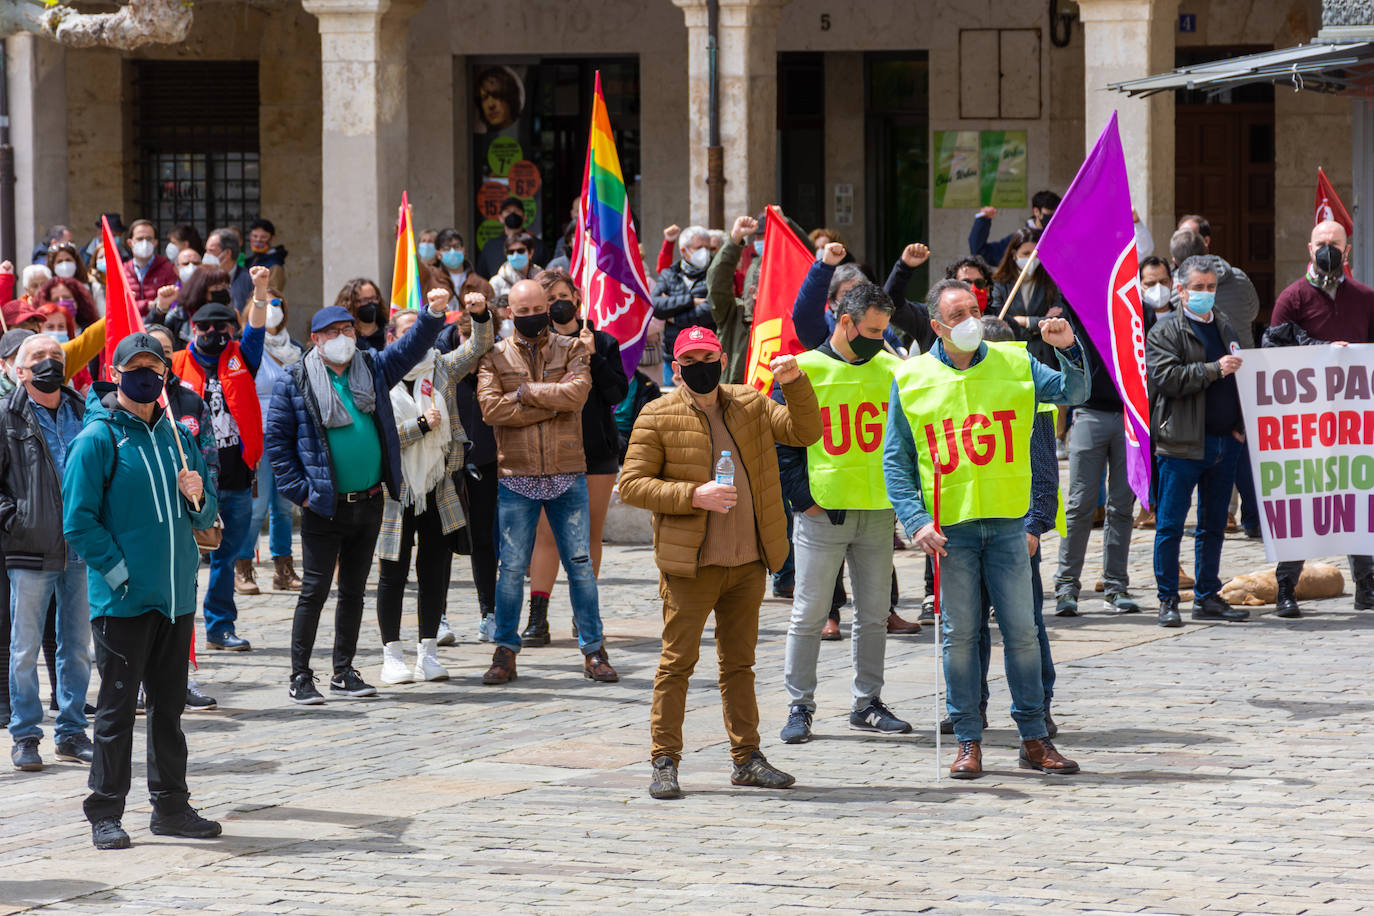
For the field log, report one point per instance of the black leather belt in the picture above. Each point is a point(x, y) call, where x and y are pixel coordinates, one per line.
point(359, 496)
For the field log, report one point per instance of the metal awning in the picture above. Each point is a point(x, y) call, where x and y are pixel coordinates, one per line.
point(1331, 66)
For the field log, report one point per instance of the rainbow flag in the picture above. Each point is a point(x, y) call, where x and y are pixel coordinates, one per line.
point(606, 264)
point(405, 272)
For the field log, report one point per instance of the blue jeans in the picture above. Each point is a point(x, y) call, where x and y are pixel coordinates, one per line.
point(991, 554)
point(570, 519)
point(271, 507)
point(1213, 476)
point(31, 590)
point(235, 511)
point(1046, 658)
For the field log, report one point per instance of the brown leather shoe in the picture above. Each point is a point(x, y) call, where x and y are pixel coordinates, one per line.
point(1185, 580)
point(502, 670)
point(969, 763)
point(831, 631)
point(243, 578)
point(1041, 755)
point(284, 579)
point(595, 667)
point(897, 626)
point(1145, 519)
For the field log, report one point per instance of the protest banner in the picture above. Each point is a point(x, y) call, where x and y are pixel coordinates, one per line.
point(1309, 425)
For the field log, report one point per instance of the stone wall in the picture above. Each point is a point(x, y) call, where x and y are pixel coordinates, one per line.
point(1347, 12)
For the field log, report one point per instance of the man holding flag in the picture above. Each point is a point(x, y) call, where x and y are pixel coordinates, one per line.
point(972, 406)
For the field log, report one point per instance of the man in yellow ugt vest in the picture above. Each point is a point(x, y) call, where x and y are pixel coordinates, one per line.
point(967, 408)
point(841, 510)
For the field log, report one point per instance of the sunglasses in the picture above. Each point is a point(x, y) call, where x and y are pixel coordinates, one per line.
point(980, 283)
point(518, 251)
point(208, 326)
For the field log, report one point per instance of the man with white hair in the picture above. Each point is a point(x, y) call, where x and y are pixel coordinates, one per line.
point(38, 421)
point(1324, 307)
point(680, 296)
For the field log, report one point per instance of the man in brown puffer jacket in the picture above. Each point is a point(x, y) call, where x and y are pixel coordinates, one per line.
point(713, 539)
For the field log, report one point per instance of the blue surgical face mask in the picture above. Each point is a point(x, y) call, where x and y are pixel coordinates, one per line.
point(426, 250)
point(59, 336)
point(453, 258)
point(1200, 303)
point(758, 246)
point(519, 262)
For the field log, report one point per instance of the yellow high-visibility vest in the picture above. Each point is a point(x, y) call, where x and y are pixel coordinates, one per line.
point(845, 466)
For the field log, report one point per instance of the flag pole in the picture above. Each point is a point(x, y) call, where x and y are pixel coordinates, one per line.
point(939, 669)
point(1002, 315)
point(181, 450)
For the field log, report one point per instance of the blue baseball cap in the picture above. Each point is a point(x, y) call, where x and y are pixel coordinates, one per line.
point(330, 314)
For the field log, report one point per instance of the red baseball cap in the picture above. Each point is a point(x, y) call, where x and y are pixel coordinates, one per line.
point(696, 338)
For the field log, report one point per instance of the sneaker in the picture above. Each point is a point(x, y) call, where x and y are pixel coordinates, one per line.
point(427, 667)
point(25, 755)
point(445, 636)
point(485, 628)
point(394, 667)
point(798, 727)
point(351, 684)
point(927, 610)
point(1066, 606)
point(1168, 613)
point(77, 749)
point(876, 717)
point(303, 691)
point(185, 823)
point(757, 771)
point(199, 700)
point(106, 833)
point(1122, 603)
point(228, 642)
point(664, 784)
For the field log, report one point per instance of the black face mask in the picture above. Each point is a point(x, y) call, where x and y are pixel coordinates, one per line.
point(513, 221)
point(703, 378)
point(866, 347)
point(561, 311)
point(531, 326)
point(1328, 259)
point(367, 313)
point(219, 295)
point(48, 375)
point(212, 343)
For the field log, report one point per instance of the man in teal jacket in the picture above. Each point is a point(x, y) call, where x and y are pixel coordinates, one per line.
point(131, 496)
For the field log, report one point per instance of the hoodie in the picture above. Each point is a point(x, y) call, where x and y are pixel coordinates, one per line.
point(123, 514)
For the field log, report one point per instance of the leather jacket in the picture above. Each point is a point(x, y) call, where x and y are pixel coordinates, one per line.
point(1179, 373)
point(531, 393)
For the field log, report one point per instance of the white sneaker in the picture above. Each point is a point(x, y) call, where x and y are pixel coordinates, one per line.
point(394, 667)
point(427, 667)
point(485, 628)
point(446, 636)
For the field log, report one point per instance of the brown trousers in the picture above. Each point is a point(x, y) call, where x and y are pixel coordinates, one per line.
point(735, 594)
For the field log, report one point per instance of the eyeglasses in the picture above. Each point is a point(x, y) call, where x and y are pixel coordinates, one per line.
point(331, 333)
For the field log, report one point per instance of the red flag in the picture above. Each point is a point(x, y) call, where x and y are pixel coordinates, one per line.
point(1329, 205)
point(785, 263)
point(121, 315)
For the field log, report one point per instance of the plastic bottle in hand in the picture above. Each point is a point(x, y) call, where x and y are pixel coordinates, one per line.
point(725, 470)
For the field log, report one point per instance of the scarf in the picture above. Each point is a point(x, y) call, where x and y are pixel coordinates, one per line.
point(280, 348)
point(422, 462)
point(333, 413)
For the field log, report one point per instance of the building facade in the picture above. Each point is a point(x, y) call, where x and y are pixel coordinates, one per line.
point(890, 121)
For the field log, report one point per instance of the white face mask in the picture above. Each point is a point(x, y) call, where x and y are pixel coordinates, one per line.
point(187, 271)
point(209, 260)
point(699, 258)
point(339, 350)
point(65, 269)
point(966, 335)
point(142, 249)
point(1022, 262)
point(100, 264)
point(1157, 296)
point(171, 251)
point(274, 316)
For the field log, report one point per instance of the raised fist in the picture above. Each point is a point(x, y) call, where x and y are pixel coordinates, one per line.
point(744, 226)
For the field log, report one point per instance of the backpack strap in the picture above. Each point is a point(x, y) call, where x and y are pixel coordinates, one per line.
point(114, 462)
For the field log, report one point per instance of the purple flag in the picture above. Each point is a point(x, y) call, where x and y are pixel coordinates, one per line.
point(1089, 250)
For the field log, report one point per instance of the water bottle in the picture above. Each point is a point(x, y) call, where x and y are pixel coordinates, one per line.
point(725, 469)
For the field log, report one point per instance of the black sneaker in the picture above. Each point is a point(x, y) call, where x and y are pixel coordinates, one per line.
point(303, 691)
point(25, 755)
point(798, 727)
point(185, 823)
point(876, 717)
point(927, 610)
point(1214, 608)
point(1168, 613)
point(757, 771)
point(1066, 606)
point(351, 684)
point(664, 784)
point(198, 699)
point(106, 833)
point(77, 749)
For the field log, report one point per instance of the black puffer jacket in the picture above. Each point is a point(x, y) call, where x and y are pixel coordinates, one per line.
point(1179, 373)
point(675, 297)
point(30, 490)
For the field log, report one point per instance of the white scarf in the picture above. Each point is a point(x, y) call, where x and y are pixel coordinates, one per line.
point(280, 347)
point(423, 462)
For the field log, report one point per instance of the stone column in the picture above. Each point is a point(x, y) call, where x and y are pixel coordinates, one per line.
point(748, 73)
point(1125, 40)
point(364, 135)
point(36, 73)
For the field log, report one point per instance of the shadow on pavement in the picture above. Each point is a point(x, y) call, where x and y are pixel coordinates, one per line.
point(29, 893)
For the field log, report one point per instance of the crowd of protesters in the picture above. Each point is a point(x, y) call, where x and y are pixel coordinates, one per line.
point(496, 421)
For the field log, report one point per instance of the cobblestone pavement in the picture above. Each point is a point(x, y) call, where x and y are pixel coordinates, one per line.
point(1226, 769)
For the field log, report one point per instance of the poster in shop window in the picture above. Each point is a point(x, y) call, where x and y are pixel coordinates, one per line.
point(976, 168)
point(1309, 427)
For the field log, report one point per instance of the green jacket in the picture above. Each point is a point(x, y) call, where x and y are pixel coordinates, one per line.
point(733, 317)
point(123, 514)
